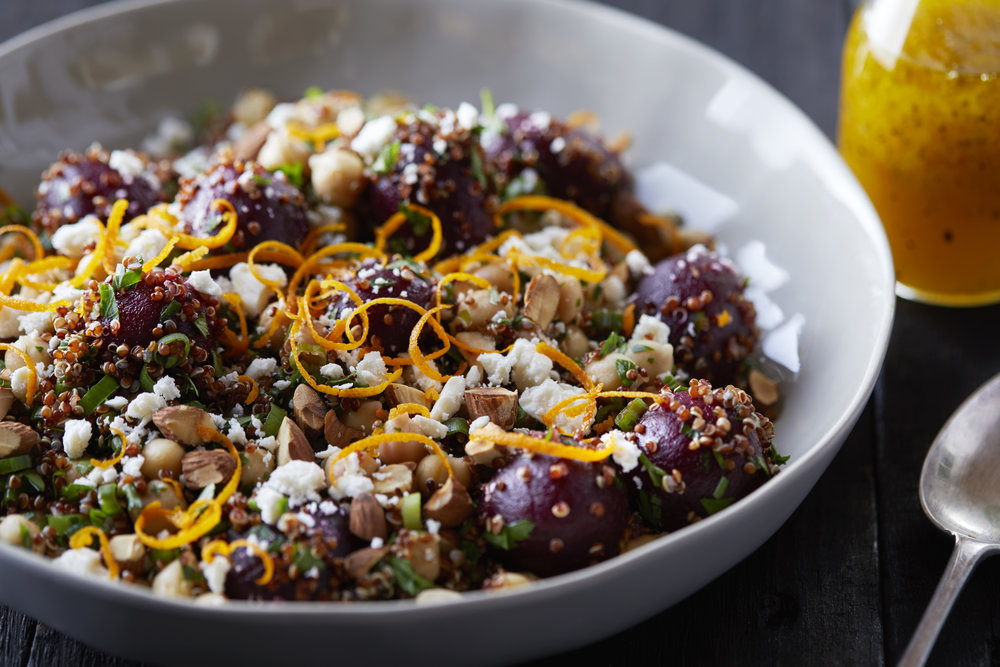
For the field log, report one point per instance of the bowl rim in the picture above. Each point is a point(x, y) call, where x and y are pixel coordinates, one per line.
point(826, 160)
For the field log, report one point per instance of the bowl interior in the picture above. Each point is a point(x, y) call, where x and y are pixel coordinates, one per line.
point(751, 166)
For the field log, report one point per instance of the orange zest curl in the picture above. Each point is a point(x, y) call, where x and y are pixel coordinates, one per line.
point(353, 392)
point(186, 260)
point(197, 521)
point(254, 389)
point(166, 223)
point(238, 347)
point(408, 409)
point(570, 211)
point(419, 360)
point(84, 537)
point(398, 219)
point(224, 549)
point(496, 435)
point(312, 260)
point(379, 438)
point(36, 244)
point(29, 392)
point(292, 256)
point(17, 303)
point(234, 481)
point(162, 255)
point(83, 274)
point(556, 355)
point(111, 234)
point(586, 275)
point(114, 460)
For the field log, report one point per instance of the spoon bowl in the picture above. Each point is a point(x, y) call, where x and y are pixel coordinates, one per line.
point(960, 493)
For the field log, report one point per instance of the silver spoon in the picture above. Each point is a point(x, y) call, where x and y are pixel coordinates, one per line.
point(960, 492)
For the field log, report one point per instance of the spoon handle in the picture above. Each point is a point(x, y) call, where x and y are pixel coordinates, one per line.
point(964, 559)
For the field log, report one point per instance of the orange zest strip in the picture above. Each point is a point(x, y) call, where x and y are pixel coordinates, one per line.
point(174, 484)
point(163, 254)
point(111, 234)
point(312, 238)
point(419, 360)
point(628, 319)
point(568, 210)
point(279, 317)
point(82, 276)
point(318, 135)
point(9, 277)
point(84, 537)
point(198, 520)
point(243, 344)
point(478, 281)
point(97, 463)
point(586, 275)
point(497, 435)
point(166, 223)
point(27, 305)
point(379, 438)
point(254, 389)
point(355, 392)
point(189, 258)
point(291, 253)
point(396, 220)
point(220, 548)
point(36, 244)
point(313, 259)
point(408, 409)
point(556, 355)
point(29, 392)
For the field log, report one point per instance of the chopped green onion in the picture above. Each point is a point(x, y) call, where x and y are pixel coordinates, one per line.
point(145, 381)
point(457, 425)
point(629, 417)
point(273, 420)
point(73, 492)
point(14, 464)
point(132, 499)
point(107, 497)
point(171, 338)
point(606, 320)
point(65, 524)
point(99, 393)
point(411, 511)
point(510, 534)
point(34, 480)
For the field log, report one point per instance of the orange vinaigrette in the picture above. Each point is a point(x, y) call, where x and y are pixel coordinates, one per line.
point(920, 127)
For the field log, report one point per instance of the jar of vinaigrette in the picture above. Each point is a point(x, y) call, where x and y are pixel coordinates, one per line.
point(920, 126)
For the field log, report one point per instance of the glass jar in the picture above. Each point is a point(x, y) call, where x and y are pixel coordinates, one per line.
point(920, 127)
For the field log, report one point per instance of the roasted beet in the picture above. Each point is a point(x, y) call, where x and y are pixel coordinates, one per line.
point(389, 326)
point(700, 297)
point(268, 207)
point(330, 532)
point(79, 185)
point(433, 167)
point(706, 448)
point(579, 513)
point(571, 162)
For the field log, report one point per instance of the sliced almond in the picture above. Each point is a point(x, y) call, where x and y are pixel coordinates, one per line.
point(763, 388)
point(202, 467)
point(450, 504)
point(400, 393)
point(358, 563)
point(484, 452)
point(541, 299)
point(309, 409)
point(16, 438)
point(293, 444)
point(336, 433)
point(393, 479)
point(497, 403)
point(127, 549)
point(424, 553)
point(367, 517)
point(181, 422)
point(6, 400)
point(249, 144)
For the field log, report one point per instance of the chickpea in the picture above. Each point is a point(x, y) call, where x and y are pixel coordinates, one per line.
point(14, 526)
point(362, 418)
point(161, 454)
point(259, 465)
point(337, 176)
point(570, 298)
point(401, 452)
point(170, 582)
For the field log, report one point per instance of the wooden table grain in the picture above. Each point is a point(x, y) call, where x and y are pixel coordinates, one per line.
point(845, 580)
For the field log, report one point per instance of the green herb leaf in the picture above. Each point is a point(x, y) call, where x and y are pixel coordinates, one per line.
point(109, 305)
point(476, 165)
point(170, 310)
point(510, 534)
point(123, 279)
point(656, 473)
point(294, 172)
point(408, 580)
point(777, 458)
point(15, 464)
point(273, 420)
point(622, 367)
point(99, 393)
point(713, 505)
point(386, 158)
point(613, 343)
point(306, 559)
point(312, 92)
point(420, 223)
point(201, 324)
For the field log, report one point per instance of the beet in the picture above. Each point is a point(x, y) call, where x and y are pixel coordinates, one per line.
point(332, 530)
point(389, 326)
point(434, 168)
point(579, 513)
point(83, 184)
point(700, 297)
point(268, 207)
point(707, 447)
point(571, 162)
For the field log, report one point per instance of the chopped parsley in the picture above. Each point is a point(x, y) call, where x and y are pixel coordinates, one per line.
point(775, 457)
point(386, 158)
point(293, 172)
point(656, 473)
point(614, 343)
point(123, 279)
point(109, 305)
point(510, 534)
point(622, 367)
point(406, 578)
point(201, 324)
point(718, 501)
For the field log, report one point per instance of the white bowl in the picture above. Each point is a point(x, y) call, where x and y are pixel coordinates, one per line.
point(764, 172)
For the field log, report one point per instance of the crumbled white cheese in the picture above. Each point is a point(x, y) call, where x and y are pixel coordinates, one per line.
point(529, 367)
point(299, 481)
point(416, 424)
point(166, 388)
point(236, 434)
point(116, 402)
point(281, 114)
point(350, 120)
point(81, 561)
point(450, 400)
point(467, 116)
point(203, 282)
point(253, 293)
point(215, 572)
point(19, 380)
point(377, 543)
point(144, 405)
point(126, 163)
point(539, 399)
point(35, 322)
point(262, 368)
point(147, 245)
point(433, 526)
point(497, 367)
point(76, 437)
point(371, 369)
point(331, 371)
point(479, 422)
point(625, 452)
point(650, 328)
point(132, 465)
point(70, 240)
point(268, 442)
point(374, 135)
point(9, 322)
point(474, 377)
point(352, 482)
point(638, 263)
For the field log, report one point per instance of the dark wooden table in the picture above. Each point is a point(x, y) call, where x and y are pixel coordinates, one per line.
point(846, 579)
